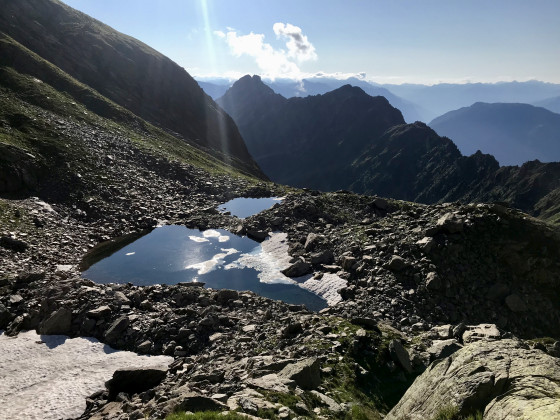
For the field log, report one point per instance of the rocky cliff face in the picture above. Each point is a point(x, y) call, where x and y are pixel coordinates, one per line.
point(497, 379)
point(127, 72)
point(308, 142)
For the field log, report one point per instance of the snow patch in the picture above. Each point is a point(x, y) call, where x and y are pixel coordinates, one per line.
point(49, 376)
point(327, 287)
point(268, 261)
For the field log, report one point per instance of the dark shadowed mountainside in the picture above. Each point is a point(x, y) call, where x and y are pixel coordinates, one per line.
point(127, 72)
point(512, 133)
point(412, 162)
point(319, 86)
point(307, 141)
point(347, 139)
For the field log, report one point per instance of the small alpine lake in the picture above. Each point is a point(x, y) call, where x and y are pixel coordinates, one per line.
point(172, 254)
point(244, 207)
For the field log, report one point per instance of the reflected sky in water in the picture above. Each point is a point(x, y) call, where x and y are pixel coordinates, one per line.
point(245, 207)
point(173, 254)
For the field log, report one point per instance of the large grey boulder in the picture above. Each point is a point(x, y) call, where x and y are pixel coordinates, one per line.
point(298, 269)
point(400, 355)
point(449, 223)
point(306, 373)
point(59, 322)
point(502, 379)
point(117, 328)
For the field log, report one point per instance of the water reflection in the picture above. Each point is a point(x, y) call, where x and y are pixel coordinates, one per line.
point(173, 254)
point(245, 207)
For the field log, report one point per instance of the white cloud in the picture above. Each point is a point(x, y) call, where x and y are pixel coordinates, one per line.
point(272, 62)
point(298, 45)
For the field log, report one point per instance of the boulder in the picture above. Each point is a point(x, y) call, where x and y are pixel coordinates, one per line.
point(60, 322)
point(348, 262)
point(13, 244)
point(502, 379)
point(481, 332)
point(224, 295)
point(443, 331)
point(306, 373)
point(134, 380)
point(291, 330)
point(117, 328)
point(192, 401)
point(397, 263)
point(257, 235)
point(433, 282)
point(100, 312)
point(426, 244)
point(313, 241)
point(400, 355)
point(298, 269)
point(323, 257)
point(449, 223)
point(331, 404)
point(443, 348)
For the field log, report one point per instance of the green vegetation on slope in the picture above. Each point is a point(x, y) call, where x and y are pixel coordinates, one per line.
point(45, 115)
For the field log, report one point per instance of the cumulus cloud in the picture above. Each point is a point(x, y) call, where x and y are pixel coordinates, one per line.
point(272, 62)
point(298, 45)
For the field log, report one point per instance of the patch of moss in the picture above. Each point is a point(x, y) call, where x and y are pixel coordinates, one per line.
point(206, 415)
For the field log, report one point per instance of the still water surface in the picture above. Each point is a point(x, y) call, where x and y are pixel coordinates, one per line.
point(173, 254)
point(245, 207)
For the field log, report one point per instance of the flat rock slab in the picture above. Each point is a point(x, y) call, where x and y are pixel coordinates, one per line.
point(503, 379)
point(50, 377)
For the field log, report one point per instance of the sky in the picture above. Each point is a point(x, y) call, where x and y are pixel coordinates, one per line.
point(383, 41)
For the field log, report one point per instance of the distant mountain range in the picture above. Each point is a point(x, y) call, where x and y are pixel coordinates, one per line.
point(442, 98)
point(513, 133)
point(126, 71)
point(552, 104)
point(347, 139)
point(416, 102)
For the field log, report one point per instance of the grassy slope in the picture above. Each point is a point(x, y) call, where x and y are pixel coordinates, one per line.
point(30, 85)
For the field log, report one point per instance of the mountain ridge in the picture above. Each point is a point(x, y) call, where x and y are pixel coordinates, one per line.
point(382, 154)
point(127, 71)
point(514, 133)
point(283, 133)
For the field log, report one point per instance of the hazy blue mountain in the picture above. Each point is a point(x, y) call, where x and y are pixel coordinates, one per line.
point(552, 104)
point(214, 90)
point(445, 97)
point(512, 133)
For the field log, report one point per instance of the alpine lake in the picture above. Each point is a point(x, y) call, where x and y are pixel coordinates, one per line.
point(173, 254)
